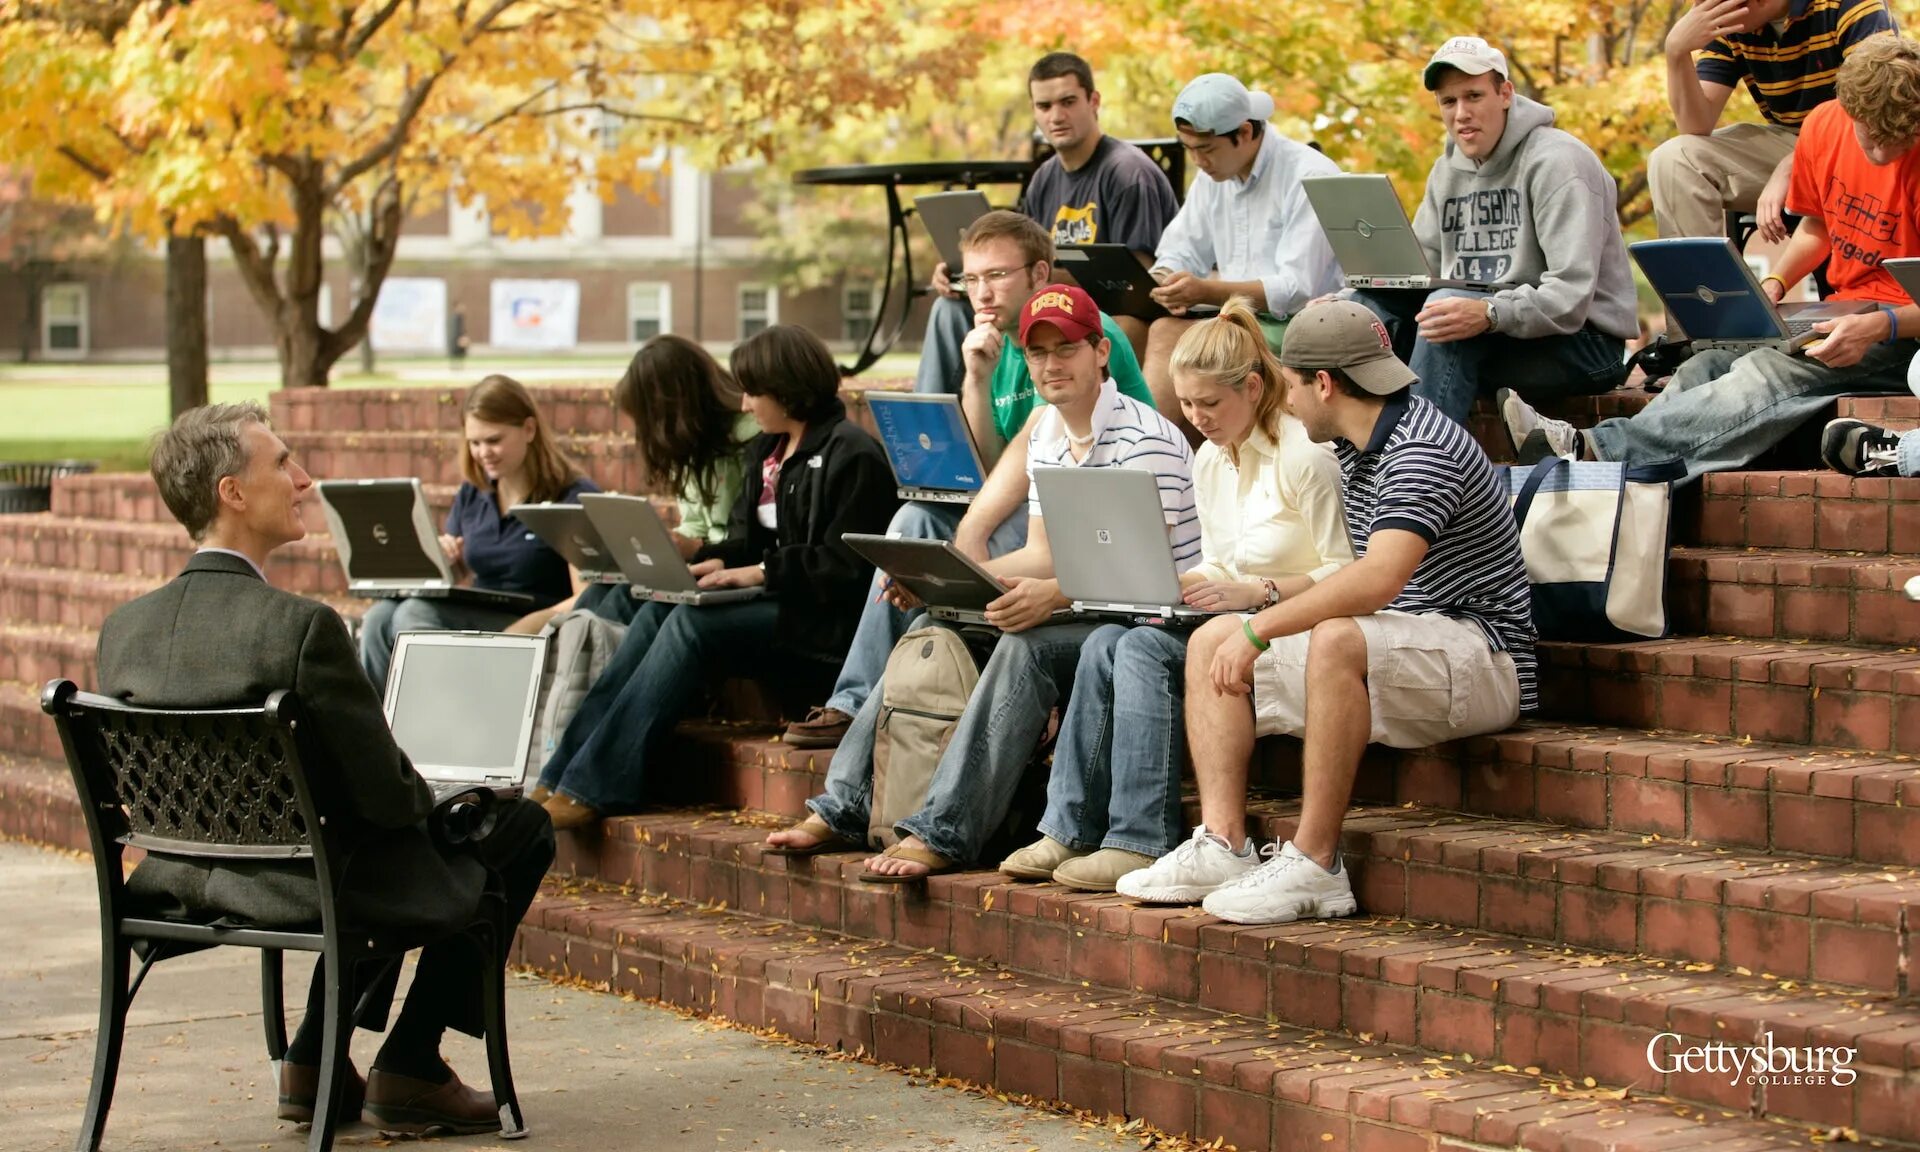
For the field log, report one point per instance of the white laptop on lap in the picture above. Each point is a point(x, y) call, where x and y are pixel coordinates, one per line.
point(643, 546)
point(388, 546)
point(1715, 301)
point(461, 707)
point(1374, 241)
point(1108, 532)
point(929, 446)
point(567, 530)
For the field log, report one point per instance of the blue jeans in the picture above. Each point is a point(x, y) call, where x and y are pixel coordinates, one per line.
point(1116, 768)
point(613, 602)
point(1722, 408)
point(1454, 373)
point(881, 624)
point(661, 669)
point(1909, 454)
point(991, 747)
point(941, 366)
point(386, 619)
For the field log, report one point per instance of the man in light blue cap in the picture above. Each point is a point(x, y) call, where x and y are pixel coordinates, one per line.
point(1246, 228)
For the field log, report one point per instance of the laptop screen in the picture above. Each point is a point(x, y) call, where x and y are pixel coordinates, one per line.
point(459, 708)
point(926, 443)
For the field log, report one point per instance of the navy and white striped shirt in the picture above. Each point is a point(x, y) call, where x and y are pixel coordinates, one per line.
point(1127, 434)
point(1422, 473)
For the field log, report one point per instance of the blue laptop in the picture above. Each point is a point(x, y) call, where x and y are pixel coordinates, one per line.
point(927, 442)
point(1716, 302)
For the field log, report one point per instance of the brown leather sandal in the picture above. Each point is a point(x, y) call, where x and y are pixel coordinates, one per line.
point(935, 864)
point(825, 839)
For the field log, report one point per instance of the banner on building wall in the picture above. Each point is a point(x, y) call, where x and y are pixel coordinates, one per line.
point(410, 316)
point(535, 314)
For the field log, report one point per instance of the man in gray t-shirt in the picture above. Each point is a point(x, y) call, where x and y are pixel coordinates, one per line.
point(1094, 189)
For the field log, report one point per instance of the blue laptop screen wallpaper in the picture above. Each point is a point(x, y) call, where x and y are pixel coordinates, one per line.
point(927, 444)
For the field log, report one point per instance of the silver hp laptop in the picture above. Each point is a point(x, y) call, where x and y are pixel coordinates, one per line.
point(1108, 532)
point(929, 445)
point(642, 545)
point(566, 530)
point(950, 584)
point(947, 216)
point(1715, 301)
point(461, 707)
point(1374, 241)
point(389, 548)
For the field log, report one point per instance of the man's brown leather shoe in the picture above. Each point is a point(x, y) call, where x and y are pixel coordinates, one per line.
point(420, 1107)
point(300, 1086)
point(823, 728)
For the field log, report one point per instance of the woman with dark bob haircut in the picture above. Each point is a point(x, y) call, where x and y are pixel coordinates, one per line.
point(810, 476)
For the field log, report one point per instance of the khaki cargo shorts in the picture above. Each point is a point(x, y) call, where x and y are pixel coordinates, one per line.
point(1430, 678)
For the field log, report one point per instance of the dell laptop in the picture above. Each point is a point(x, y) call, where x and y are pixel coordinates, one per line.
point(1715, 301)
point(461, 706)
point(1113, 276)
point(1906, 273)
point(389, 548)
point(947, 216)
point(643, 546)
point(1108, 532)
point(1374, 241)
point(944, 578)
point(567, 530)
point(928, 443)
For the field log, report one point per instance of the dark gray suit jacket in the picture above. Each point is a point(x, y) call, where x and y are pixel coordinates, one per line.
point(219, 636)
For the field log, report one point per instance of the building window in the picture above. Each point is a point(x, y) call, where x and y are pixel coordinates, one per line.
point(758, 310)
point(856, 313)
point(648, 311)
point(63, 320)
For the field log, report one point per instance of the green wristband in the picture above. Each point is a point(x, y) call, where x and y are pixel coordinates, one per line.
point(1253, 637)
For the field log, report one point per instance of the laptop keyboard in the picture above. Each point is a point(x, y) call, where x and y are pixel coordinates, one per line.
point(1800, 327)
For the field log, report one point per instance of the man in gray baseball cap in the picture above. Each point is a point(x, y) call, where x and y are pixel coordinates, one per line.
point(1427, 637)
point(1246, 228)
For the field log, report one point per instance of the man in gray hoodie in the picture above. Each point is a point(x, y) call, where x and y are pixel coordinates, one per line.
point(1517, 203)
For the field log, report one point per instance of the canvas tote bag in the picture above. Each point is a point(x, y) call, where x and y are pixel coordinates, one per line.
point(1594, 536)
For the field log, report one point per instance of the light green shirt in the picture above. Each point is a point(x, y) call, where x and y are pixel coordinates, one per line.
point(1014, 397)
point(704, 519)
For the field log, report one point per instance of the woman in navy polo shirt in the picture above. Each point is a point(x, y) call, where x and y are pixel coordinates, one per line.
point(810, 476)
point(508, 457)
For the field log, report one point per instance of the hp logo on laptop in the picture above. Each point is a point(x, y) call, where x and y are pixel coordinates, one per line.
point(380, 534)
point(1364, 229)
point(1103, 536)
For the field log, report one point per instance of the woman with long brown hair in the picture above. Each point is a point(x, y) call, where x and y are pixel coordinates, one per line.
point(508, 456)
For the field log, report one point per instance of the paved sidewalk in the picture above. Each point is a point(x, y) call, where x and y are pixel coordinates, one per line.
point(594, 1072)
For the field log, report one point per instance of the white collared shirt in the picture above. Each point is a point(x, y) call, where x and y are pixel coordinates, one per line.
point(1260, 228)
point(1279, 513)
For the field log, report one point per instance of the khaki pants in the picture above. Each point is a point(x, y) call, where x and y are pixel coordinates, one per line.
point(1696, 180)
point(1430, 679)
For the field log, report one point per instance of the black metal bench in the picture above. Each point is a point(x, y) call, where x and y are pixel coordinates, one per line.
point(231, 785)
point(27, 485)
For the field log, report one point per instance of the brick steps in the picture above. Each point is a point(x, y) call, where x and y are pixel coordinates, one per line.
point(1796, 693)
point(28, 733)
point(130, 498)
point(1817, 510)
point(1482, 999)
point(1258, 1085)
point(37, 800)
point(35, 654)
point(70, 598)
point(1792, 595)
point(434, 457)
point(156, 550)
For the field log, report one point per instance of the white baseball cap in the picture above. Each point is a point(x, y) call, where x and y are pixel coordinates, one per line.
point(1218, 103)
point(1469, 54)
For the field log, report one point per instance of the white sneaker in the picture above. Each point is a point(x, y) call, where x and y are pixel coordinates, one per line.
point(1189, 872)
point(1519, 415)
point(1288, 886)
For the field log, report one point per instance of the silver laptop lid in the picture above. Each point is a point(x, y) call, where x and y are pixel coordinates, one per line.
point(640, 542)
point(947, 215)
point(1108, 534)
point(1906, 273)
point(384, 534)
point(461, 703)
point(1366, 226)
point(927, 441)
point(566, 529)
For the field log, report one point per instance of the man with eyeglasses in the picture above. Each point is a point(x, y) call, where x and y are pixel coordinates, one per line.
point(1246, 228)
point(1088, 422)
point(1006, 258)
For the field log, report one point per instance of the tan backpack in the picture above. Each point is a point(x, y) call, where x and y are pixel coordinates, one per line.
point(929, 678)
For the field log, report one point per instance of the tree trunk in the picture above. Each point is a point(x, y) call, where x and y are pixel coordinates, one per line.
point(186, 323)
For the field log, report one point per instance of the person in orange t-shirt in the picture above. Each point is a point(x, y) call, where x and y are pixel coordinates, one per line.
point(1856, 182)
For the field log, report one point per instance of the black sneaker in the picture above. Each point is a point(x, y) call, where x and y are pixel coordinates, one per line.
point(1858, 448)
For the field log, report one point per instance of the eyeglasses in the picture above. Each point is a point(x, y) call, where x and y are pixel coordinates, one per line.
point(997, 276)
point(1037, 357)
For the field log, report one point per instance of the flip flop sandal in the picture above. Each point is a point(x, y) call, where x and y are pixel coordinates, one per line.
point(935, 863)
point(825, 840)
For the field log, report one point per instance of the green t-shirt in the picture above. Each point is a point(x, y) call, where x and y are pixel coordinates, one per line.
point(707, 520)
point(1014, 398)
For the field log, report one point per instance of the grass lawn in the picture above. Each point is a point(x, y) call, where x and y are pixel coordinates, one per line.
point(107, 412)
